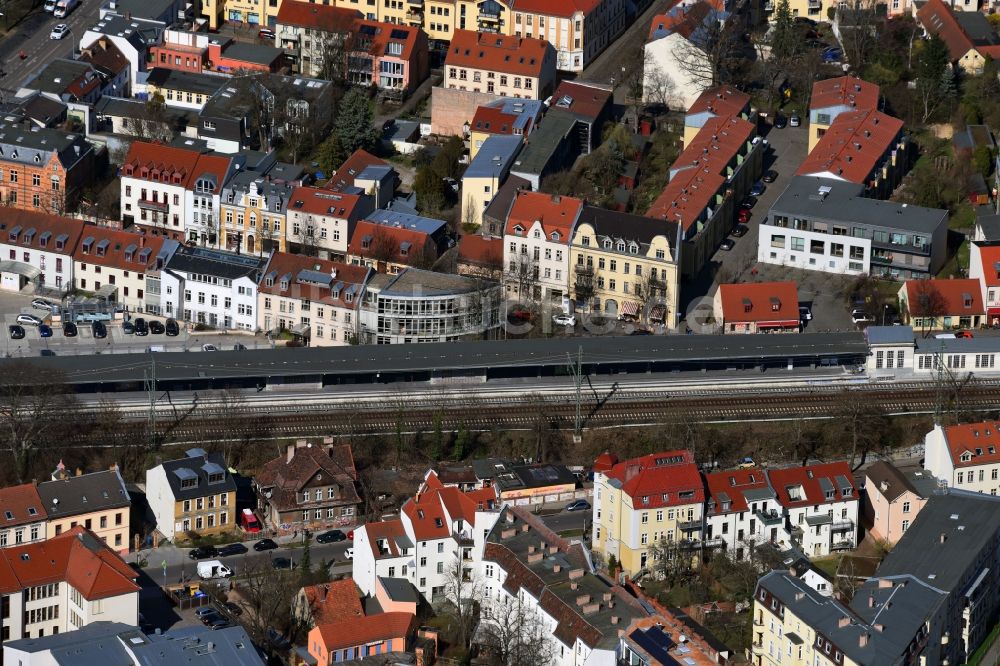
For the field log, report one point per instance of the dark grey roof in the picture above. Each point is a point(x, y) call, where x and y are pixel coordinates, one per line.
point(194, 467)
point(977, 27)
point(844, 203)
point(74, 495)
point(969, 522)
point(56, 76)
point(154, 10)
point(42, 109)
point(543, 143)
point(261, 54)
point(536, 476)
point(399, 589)
point(501, 203)
point(489, 468)
point(419, 283)
point(495, 157)
point(121, 107)
point(625, 226)
point(139, 32)
point(173, 79)
point(218, 263)
point(978, 345)
point(889, 335)
point(20, 143)
point(989, 223)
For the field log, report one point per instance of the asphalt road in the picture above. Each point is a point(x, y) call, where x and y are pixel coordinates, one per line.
point(32, 37)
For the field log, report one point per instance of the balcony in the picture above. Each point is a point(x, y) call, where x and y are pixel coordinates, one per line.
point(715, 542)
point(842, 545)
point(816, 4)
point(581, 269)
point(758, 621)
point(757, 647)
point(689, 525)
point(415, 15)
point(842, 525)
point(769, 518)
point(160, 206)
point(415, 3)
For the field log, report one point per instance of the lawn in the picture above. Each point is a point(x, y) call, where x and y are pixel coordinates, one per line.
point(828, 565)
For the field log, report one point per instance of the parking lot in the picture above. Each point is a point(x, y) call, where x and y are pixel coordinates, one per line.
point(116, 342)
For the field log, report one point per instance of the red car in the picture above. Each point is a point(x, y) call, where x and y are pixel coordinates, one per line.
point(963, 334)
point(744, 216)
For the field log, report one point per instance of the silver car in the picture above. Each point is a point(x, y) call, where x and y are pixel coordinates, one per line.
point(29, 319)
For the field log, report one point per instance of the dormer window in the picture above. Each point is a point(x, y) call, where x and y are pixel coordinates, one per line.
point(284, 284)
point(621, 246)
point(966, 457)
point(726, 506)
point(829, 494)
point(438, 522)
point(607, 244)
point(645, 499)
point(518, 230)
point(555, 236)
point(633, 248)
point(775, 304)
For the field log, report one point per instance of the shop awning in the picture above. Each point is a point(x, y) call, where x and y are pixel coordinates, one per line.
point(658, 313)
point(788, 323)
point(993, 312)
point(630, 309)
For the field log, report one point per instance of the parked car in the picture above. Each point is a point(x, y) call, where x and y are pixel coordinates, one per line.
point(805, 313)
point(221, 623)
point(747, 463)
point(205, 610)
point(172, 328)
point(641, 331)
point(203, 552)
point(280, 563)
point(239, 346)
point(42, 304)
point(748, 203)
point(727, 244)
point(519, 313)
point(858, 316)
point(963, 334)
point(29, 319)
point(232, 549)
point(141, 327)
point(832, 54)
point(45, 331)
point(266, 33)
point(770, 176)
point(578, 505)
point(128, 328)
point(69, 329)
point(16, 332)
point(743, 217)
point(264, 544)
point(156, 328)
point(233, 608)
point(59, 31)
point(99, 329)
point(208, 618)
point(740, 230)
point(759, 187)
point(564, 319)
point(208, 347)
point(332, 536)
point(780, 122)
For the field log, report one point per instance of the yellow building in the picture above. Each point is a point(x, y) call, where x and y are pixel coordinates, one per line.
point(252, 211)
point(642, 501)
point(195, 495)
point(486, 173)
point(625, 265)
point(97, 501)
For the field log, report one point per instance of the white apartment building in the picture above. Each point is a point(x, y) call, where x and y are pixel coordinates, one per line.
point(212, 287)
point(123, 266)
point(154, 182)
point(439, 529)
point(742, 511)
point(321, 222)
point(821, 505)
point(37, 248)
point(63, 584)
point(965, 456)
point(202, 214)
point(536, 245)
point(22, 515)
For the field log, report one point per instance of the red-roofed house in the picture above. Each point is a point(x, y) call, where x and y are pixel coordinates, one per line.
point(969, 36)
point(863, 147)
point(821, 503)
point(449, 526)
point(984, 265)
point(742, 511)
point(387, 248)
point(317, 299)
point(392, 57)
point(942, 304)
point(154, 182)
point(325, 603)
point(302, 29)
point(758, 307)
point(831, 97)
point(500, 65)
point(505, 117)
point(367, 173)
point(22, 515)
point(643, 500)
point(965, 456)
point(579, 30)
point(536, 245)
point(361, 637)
point(480, 257)
point(64, 583)
point(321, 222)
point(38, 248)
point(118, 263)
point(716, 102)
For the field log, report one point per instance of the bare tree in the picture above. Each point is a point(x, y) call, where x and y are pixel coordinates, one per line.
point(714, 57)
point(522, 275)
point(927, 304)
point(669, 561)
point(863, 424)
point(512, 635)
point(152, 123)
point(268, 595)
point(859, 25)
point(658, 88)
point(462, 596)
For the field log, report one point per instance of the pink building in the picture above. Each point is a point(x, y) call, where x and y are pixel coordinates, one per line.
point(360, 637)
point(199, 51)
point(893, 498)
point(387, 55)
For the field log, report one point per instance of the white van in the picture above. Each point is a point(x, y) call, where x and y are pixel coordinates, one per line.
point(945, 336)
point(213, 569)
point(64, 7)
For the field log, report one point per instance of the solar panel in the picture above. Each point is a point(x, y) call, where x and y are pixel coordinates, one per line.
point(655, 642)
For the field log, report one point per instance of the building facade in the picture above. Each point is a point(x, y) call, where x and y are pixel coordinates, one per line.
point(500, 65)
point(893, 498)
point(24, 516)
point(195, 494)
point(124, 267)
point(40, 247)
point(98, 501)
point(43, 169)
point(537, 246)
point(321, 223)
point(212, 287)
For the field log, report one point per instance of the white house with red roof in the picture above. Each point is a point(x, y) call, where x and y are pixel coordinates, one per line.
point(821, 504)
point(758, 307)
point(984, 265)
point(439, 528)
point(965, 456)
point(742, 511)
point(321, 222)
point(37, 248)
point(536, 245)
point(154, 183)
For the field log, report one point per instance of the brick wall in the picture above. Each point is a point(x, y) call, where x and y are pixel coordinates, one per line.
point(451, 109)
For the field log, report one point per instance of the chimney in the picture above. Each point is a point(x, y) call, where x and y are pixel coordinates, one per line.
point(574, 586)
point(553, 550)
point(536, 557)
point(289, 453)
point(879, 627)
point(883, 486)
point(556, 568)
point(524, 527)
point(614, 619)
point(79, 472)
point(531, 549)
point(575, 574)
point(142, 241)
point(607, 596)
point(863, 640)
point(590, 609)
point(583, 600)
point(871, 601)
point(884, 583)
point(506, 534)
point(843, 622)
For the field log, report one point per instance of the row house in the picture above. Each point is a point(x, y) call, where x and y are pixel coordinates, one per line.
point(194, 494)
point(500, 65)
point(212, 287)
point(24, 517)
point(389, 241)
point(154, 188)
point(832, 97)
point(310, 33)
point(202, 200)
point(758, 307)
point(69, 81)
point(743, 511)
point(98, 501)
point(930, 304)
point(253, 211)
point(316, 299)
point(965, 456)
point(40, 248)
point(440, 533)
point(43, 169)
point(984, 267)
point(311, 487)
point(717, 102)
point(121, 266)
point(578, 31)
point(62, 584)
point(821, 505)
point(537, 246)
point(363, 173)
point(321, 222)
point(392, 57)
point(626, 264)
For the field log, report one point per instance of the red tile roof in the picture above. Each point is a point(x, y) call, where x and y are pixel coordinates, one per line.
point(76, 557)
point(989, 258)
point(937, 18)
point(492, 120)
point(212, 166)
point(283, 264)
point(588, 100)
point(40, 231)
point(346, 173)
point(475, 250)
point(683, 20)
point(660, 478)
point(808, 479)
point(557, 215)
point(318, 17)
point(854, 145)
point(159, 163)
point(335, 601)
point(698, 173)
point(561, 8)
point(390, 531)
point(767, 301)
point(844, 91)
point(524, 56)
point(397, 245)
point(364, 630)
point(19, 501)
point(733, 484)
point(103, 54)
point(605, 461)
point(432, 510)
point(720, 101)
point(980, 440)
point(961, 297)
point(319, 201)
point(124, 250)
point(384, 33)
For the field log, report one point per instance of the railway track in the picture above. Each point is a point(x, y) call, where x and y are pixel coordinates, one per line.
point(527, 411)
